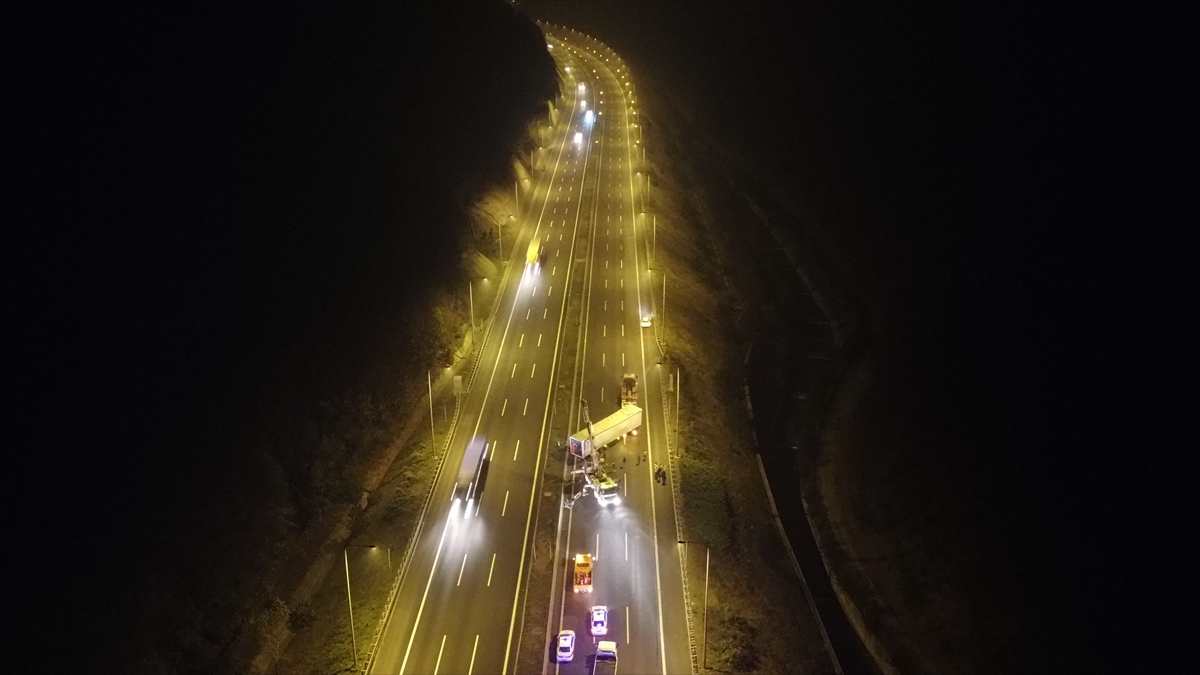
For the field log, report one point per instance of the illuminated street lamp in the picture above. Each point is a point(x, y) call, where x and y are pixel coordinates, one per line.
point(349, 601)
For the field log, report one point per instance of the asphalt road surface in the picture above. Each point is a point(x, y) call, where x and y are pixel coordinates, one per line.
point(637, 567)
point(458, 608)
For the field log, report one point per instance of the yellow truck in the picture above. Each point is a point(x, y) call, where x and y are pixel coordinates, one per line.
point(536, 257)
point(583, 573)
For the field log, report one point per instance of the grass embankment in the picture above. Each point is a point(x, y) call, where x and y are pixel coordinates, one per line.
point(758, 619)
point(903, 545)
point(318, 628)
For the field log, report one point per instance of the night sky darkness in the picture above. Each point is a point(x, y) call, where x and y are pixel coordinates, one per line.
point(225, 211)
point(1006, 179)
point(206, 207)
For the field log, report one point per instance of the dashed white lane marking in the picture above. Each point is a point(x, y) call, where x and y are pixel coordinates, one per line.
point(532, 371)
point(527, 313)
point(493, 567)
point(505, 508)
point(622, 328)
point(526, 407)
point(605, 333)
point(460, 570)
point(539, 339)
point(518, 449)
point(504, 407)
point(514, 372)
point(471, 668)
point(603, 358)
point(626, 560)
point(439, 659)
point(522, 343)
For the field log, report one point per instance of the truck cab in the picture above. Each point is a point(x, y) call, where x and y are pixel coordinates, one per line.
point(608, 491)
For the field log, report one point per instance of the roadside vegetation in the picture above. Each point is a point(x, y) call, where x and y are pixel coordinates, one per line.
point(758, 619)
point(898, 500)
point(358, 295)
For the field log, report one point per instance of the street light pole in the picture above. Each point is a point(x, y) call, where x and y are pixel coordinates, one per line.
point(704, 661)
point(349, 601)
point(432, 435)
point(350, 604)
point(678, 387)
point(704, 630)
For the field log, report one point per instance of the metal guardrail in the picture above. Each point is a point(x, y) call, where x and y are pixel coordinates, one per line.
point(672, 459)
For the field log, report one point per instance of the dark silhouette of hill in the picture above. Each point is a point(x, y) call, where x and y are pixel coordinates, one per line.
point(999, 179)
point(227, 219)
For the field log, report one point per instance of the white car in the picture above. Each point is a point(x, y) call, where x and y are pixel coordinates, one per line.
point(566, 646)
point(646, 321)
point(599, 620)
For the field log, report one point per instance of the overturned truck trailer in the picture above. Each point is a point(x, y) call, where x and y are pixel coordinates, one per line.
point(626, 420)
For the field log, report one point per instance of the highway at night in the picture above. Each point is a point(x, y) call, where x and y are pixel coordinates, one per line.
point(460, 603)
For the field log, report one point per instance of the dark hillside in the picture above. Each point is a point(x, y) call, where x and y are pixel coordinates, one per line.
point(1000, 181)
point(228, 220)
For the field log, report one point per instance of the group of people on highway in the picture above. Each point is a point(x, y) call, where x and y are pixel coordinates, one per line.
point(660, 474)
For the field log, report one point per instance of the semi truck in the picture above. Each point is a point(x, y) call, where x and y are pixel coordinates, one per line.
point(606, 658)
point(583, 573)
point(535, 257)
point(472, 476)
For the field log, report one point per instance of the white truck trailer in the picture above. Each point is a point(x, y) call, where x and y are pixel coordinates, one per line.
point(607, 431)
